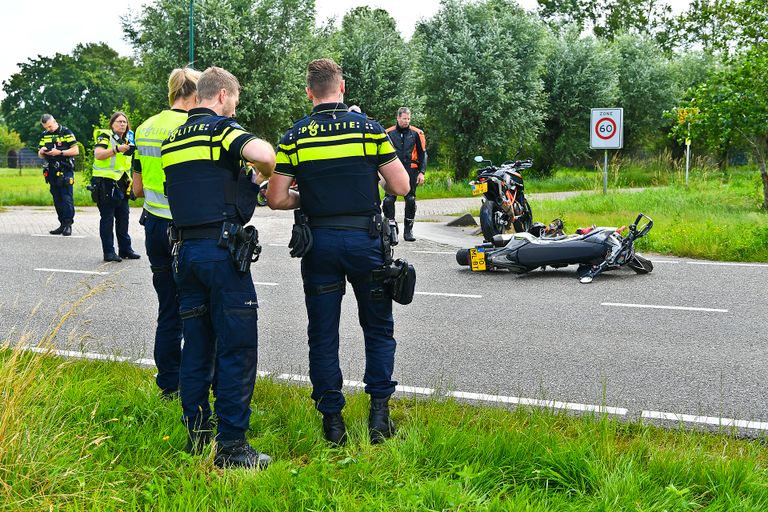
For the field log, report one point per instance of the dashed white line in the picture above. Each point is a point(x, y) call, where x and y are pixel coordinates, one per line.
point(450, 295)
point(77, 355)
point(671, 262)
point(433, 252)
point(265, 284)
point(59, 236)
point(727, 264)
point(65, 271)
point(651, 306)
point(706, 420)
point(415, 390)
point(277, 245)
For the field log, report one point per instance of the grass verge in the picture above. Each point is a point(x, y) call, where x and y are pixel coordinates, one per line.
point(80, 435)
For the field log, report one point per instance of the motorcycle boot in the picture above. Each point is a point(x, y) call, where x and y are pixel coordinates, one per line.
point(408, 233)
point(380, 426)
point(67, 231)
point(239, 454)
point(334, 429)
point(59, 230)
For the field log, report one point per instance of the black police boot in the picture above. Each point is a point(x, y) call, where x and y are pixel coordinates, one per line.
point(408, 235)
point(129, 255)
point(239, 454)
point(380, 426)
point(334, 429)
point(110, 256)
point(67, 231)
point(59, 230)
point(198, 438)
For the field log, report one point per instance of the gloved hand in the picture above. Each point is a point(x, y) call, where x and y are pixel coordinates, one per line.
point(301, 240)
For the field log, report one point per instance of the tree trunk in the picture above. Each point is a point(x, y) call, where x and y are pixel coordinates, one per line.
point(764, 175)
point(760, 146)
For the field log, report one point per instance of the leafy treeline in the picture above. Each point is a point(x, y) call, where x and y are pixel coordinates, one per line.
point(481, 77)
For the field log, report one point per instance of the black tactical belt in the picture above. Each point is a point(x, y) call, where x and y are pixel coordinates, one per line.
point(342, 222)
point(200, 233)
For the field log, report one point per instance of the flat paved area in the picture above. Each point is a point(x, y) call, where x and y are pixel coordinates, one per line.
point(497, 337)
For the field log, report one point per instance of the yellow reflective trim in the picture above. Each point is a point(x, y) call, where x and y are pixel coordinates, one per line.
point(181, 142)
point(283, 158)
point(386, 148)
point(340, 151)
point(189, 155)
point(286, 147)
point(330, 138)
point(227, 141)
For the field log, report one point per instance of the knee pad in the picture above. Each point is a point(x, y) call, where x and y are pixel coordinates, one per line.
point(410, 207)
point(389, 206)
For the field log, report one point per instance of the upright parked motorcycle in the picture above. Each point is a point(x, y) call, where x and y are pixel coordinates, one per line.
point(504, 204)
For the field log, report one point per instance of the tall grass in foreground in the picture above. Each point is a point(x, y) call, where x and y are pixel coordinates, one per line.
point(96, 436)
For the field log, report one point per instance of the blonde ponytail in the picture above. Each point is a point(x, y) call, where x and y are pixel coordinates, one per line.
point(182, 83)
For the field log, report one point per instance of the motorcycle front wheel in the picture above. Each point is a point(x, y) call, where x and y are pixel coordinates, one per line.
point(489, 222)
point(640, 264)
point(261, 198)
point(525, 221)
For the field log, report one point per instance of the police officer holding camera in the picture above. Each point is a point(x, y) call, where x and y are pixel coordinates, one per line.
point(211, 198)
point(58, 147)
point(336, 157)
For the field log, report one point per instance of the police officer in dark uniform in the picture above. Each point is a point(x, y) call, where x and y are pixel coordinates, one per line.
point(411, 148)
point(58, 147)
point(211, 199)
point(336, 157)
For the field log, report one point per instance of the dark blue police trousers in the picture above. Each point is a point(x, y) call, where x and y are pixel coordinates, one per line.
point(352, 254)
point(63, 200)
point(115, 213)
point(219, 312)
point(167, 350)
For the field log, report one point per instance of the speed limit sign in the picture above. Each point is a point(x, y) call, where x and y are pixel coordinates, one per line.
point(606, 128)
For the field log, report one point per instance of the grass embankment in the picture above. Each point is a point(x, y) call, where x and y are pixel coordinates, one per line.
point(95, 436)
point(713, 218)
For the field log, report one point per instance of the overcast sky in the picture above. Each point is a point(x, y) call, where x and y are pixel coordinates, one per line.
point(44, 27)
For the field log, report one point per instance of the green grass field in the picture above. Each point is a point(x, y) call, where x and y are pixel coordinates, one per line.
point(96, 436)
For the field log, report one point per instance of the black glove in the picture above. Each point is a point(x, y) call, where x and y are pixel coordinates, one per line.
point(301, 240)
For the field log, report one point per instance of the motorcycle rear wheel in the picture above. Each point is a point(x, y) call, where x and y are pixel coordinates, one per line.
point(488, 222)
point(525, 222)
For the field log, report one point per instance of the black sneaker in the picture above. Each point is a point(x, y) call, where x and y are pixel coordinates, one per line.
point(334, 429)
point(59, 230)
point(239, 454)
point(67, 230)
point(129, 255)
point(110, 256)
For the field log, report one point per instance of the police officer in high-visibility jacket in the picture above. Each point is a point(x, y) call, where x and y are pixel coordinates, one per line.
point(336, 157)
point(111, 186)
point(411, 148)
point(212, 197)
point(58, 147)
point(149, 183)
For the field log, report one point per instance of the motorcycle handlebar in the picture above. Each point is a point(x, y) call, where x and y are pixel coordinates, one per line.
point(645, 229)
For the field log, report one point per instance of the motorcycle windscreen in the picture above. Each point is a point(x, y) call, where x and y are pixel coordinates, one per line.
point(561, 253)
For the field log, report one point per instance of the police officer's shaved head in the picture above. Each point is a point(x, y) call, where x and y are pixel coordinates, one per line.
point(215, 79)
point(323, 77)
point(49, 123)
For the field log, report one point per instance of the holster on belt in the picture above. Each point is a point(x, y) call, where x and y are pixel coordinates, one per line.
point(301, 235)
point(242, 243)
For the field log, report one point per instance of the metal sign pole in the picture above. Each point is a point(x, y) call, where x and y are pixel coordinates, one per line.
point(605, 173)
point(191, 32)
point(687, 153)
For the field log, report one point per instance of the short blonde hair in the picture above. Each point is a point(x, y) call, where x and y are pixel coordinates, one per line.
point(182, 83)
point(323, 77)
point(214, 79)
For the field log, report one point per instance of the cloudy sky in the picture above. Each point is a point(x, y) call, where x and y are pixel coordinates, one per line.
point(45, 27)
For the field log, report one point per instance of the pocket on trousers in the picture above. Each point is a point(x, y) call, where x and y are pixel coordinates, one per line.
point(241, 314)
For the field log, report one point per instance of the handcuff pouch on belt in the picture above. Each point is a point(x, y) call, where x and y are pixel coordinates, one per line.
point(242, 243)
point(301, 235)
point(397, 276)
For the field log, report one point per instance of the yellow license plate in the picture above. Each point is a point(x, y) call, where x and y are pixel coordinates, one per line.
point(477, 259)
point(479, 188)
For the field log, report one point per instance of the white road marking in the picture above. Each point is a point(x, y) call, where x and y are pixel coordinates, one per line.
point(60, 236)
point(727, 264)
point(265, 284)
point(65, 271)
point(650, 306)
point(548, 404)
point(671, 262)
point(706, 420)
point(433, 252)
point(278, 245)
point(450, 295)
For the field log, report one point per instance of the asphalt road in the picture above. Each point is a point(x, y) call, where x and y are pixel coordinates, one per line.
point(495, 337)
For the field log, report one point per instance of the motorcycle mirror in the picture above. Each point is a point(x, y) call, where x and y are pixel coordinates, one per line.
point(478, 158)
point(585, 280)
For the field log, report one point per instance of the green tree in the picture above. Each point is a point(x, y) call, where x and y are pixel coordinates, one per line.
point(9, 139)
point(265, 43)
point(733, 109)
point(724, 27)
point(376, 62)
point(579, 74)
point(479, 76)
point(646, 90)
point(76, 89)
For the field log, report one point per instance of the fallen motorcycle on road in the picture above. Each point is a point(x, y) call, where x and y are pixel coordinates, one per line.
point(595, 250)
